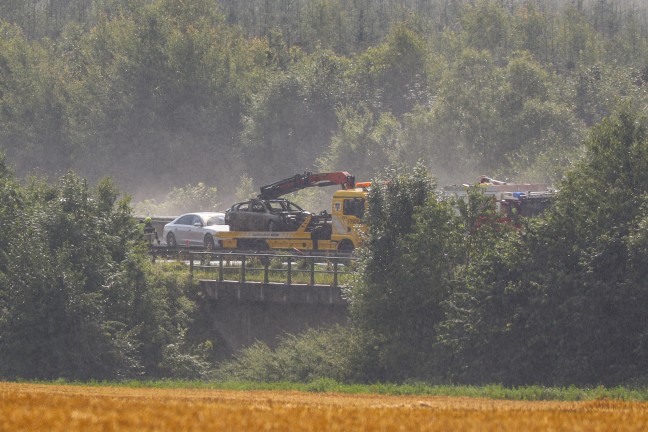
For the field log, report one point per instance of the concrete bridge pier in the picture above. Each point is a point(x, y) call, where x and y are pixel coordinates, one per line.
point(244, 312)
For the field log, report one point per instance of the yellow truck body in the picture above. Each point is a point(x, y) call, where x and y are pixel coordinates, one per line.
point(342, 233)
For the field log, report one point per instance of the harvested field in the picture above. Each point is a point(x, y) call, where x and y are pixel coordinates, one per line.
point(35, 407)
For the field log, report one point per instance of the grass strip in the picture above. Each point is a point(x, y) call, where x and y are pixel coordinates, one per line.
point(493, 391)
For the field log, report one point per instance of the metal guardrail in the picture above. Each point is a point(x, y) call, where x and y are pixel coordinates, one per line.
point(172, 252)
point(221, 263)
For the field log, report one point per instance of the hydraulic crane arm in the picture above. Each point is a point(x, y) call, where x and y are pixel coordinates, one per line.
point(306, 180)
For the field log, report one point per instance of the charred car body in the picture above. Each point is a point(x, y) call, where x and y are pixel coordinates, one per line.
point(265, 215)
point(271, 222)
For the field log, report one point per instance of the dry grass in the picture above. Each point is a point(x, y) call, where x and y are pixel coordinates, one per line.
point(33, 407)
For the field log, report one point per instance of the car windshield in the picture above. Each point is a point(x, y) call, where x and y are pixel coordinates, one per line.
point(216, 220)
point(293, 206)
point(277, 205)
point(283, 205)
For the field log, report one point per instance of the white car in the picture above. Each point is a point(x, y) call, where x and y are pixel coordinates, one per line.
point(195, 229)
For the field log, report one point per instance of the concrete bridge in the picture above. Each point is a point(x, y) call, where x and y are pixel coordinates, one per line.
point(243, 311)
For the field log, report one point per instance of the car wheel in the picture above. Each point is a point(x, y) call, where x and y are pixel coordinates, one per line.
point(171, 240)
point(209, 242)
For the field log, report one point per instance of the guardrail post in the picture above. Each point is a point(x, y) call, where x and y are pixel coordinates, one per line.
point(289, 278)
point(242, 268)
point(191, 267)
point(335, 273)
point(266, 264)
point(220, 268)
point(312, 271)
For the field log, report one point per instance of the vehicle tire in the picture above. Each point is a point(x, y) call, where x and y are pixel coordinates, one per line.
point(171, 240)
point(244, 244)
point(346, 246)
point(262, 246)
point(209, 242)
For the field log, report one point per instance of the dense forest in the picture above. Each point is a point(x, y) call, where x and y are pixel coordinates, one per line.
point(163, 94)
point(200, 101)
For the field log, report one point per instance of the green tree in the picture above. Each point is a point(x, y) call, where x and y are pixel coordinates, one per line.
point(11, 206)
point(199, 197)
point(575, 41)
point(164, 89)
point(531, 31)
point(76, 297)
point(597, 320)
point(363, 144)
point(561, 304)
point(245, 189)
point(476, 336)
point(35, 116)
point(292, 120)
point(628, 45)
point(57, 324)
point(466, 115)
point(406, 274)
point(425, 137)
point(485, 24)
point(392, 77)
point(536, 125)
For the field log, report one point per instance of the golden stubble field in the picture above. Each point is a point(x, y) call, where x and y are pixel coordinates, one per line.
point(33, 407)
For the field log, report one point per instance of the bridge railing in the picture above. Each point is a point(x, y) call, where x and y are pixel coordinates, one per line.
point(289, 269)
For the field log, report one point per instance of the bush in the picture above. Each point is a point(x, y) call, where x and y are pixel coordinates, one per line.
point(78, 297)
point(338, 353)
point(563, 302)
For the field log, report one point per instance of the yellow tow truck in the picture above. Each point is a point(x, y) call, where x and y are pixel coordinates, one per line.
point(341, 230)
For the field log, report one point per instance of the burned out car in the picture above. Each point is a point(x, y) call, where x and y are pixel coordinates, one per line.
point(265, 215)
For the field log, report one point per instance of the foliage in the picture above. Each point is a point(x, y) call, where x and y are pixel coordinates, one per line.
point(338, 353)
point(593, 322)
point(561, 303)
point(165, 93)
point(77, 297)
point(485, 25)
point(190, 198)
point(245, 189)
point(291, 120)
point(406, 273)
point(362, 142)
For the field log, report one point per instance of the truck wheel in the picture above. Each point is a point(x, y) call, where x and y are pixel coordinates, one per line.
point(171, 240)
point(346, 247)
point(245, 244)
point(209, 242)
